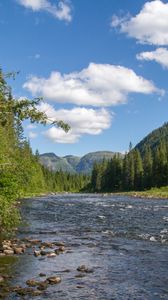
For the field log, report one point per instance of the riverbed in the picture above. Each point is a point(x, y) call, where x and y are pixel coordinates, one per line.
point(122, 240)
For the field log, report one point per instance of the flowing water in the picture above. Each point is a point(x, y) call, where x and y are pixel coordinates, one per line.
point(124, 241)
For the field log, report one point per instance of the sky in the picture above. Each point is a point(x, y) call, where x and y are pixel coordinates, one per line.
point(100, 65)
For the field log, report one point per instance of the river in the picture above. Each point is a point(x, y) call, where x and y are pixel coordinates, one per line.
point(123, 240)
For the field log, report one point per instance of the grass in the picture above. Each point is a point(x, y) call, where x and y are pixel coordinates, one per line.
point(160, 193)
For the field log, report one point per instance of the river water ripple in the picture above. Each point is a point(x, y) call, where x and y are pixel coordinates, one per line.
point(124, 240)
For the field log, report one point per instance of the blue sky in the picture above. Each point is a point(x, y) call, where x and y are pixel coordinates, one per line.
point(100, 65)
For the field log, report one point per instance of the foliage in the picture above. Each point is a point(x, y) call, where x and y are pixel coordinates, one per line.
point(20, 171)
point(136, 171)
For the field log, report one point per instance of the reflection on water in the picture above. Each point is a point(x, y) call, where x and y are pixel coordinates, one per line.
point(124, 240)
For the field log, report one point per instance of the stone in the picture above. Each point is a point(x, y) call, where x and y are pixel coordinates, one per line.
point(36, 293)
point(53, 254)
point(61, 248)
point(83, 268)
point(43, 285)
point(37, 253)
point(18, 250)
point(59, 244)
point(24, 291)
point(53, 279)
point(47, 244)
point(32, 282)
point(80, 275)
point(1, 279)
point(42, 274)
point(23, 246)
point(15, 288)
point(9, 252)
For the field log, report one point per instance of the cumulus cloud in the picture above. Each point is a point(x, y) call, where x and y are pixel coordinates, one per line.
point(97, 85)
point(81, 120)
point(160, 55)
point(62, 11)
point(149, 26)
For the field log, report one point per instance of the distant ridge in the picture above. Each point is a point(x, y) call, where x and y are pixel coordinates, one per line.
point(74, 164)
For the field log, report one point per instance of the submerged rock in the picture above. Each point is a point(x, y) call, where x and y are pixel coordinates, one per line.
point(54, 279)
point(42, 274)
point(43, 285)
point(84, 269)
point(59, 244)
point(32, 282)
point(24, 291)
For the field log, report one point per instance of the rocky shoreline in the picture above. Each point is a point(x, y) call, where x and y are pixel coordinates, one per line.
point(33, 287)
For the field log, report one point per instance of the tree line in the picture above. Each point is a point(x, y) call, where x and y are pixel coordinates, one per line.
point(20, 171)
point(134, 171)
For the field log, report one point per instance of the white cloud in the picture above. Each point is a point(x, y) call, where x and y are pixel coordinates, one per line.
point(160, 55)
point(81, 120)
point(97, 85)
point(62, 11)
point(32, 135)
point(149, 26)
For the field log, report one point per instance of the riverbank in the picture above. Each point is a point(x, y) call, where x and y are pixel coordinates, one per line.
point(156, 193)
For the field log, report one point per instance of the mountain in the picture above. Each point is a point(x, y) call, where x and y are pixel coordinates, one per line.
point(73, 160)
point(56, 163)
point(86, 162)
point(154, 138)
point(74, 164)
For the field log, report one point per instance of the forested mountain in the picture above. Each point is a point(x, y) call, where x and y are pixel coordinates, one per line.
point(141, 168)
point(74, 164)
point(153, 139)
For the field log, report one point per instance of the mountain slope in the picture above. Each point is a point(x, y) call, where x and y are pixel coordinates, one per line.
point(74, 164)
point(154, 138)
point(73, 160)
point(86, 163)
point(55, 163)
